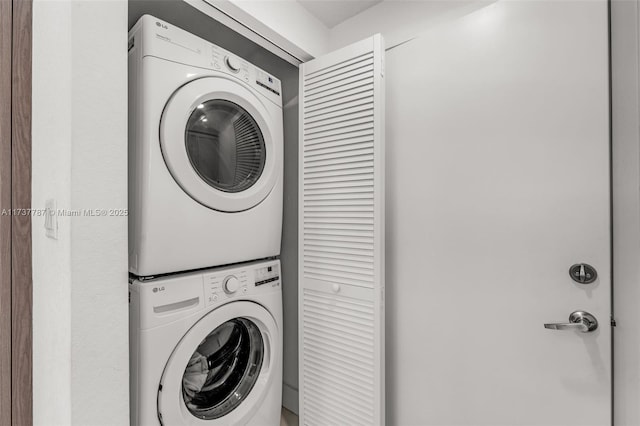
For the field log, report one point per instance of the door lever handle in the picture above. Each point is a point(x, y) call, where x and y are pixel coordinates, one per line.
point(579, 326)
point(578, 321)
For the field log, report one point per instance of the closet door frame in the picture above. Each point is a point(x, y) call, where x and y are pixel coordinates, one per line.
point(16, 304)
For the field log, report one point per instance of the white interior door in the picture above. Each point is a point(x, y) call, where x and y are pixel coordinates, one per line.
point(341, 234)
point(497, 183)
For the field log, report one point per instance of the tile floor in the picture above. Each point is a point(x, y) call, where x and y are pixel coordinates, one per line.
point(288, 418)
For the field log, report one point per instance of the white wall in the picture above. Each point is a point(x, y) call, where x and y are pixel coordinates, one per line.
point(79, 158)
point(51, 177)
point(400, 20)
point(625, 41)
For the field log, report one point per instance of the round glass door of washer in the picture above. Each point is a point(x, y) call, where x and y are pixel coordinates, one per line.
point(222, 369)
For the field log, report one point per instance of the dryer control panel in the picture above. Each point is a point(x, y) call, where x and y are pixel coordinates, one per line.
point(163, 40)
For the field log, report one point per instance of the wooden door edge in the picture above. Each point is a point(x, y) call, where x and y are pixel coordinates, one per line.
point(6, 7)
point(21, 256)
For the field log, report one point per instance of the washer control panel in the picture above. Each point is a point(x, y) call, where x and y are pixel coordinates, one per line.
point(234, 282)
point(267, 275)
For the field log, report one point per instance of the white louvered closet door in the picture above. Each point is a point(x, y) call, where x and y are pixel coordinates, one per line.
point(341, 237)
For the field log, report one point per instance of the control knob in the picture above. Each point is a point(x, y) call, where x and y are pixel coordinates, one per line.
point(231, 284)
point(232, 63)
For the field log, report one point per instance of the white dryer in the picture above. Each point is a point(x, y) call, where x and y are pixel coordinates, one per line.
point(206, 348)
point(205, 154)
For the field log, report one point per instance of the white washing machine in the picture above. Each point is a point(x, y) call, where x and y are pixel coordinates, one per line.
point(206, 348)
point(205, 154)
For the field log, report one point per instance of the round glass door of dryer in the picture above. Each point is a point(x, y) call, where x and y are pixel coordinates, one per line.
point(225, 145)
point(223, 369)
point(217, 141)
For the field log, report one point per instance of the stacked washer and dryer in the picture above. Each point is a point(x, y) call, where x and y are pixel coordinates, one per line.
point(205, 202)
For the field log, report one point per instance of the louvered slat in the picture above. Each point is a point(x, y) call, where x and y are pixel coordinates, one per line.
point(339, 362)
point(339, 98)
point(342, 103)
point(336, 91)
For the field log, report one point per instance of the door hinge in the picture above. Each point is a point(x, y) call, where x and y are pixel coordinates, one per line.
point(613, 322)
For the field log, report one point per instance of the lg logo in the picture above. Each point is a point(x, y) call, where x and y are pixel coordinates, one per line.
point(157, 289)
point(161, 25)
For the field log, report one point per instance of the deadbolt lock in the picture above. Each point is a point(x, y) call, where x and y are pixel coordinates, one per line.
point(583, 273)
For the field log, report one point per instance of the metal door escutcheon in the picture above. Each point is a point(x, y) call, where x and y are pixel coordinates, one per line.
point(583, 273)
